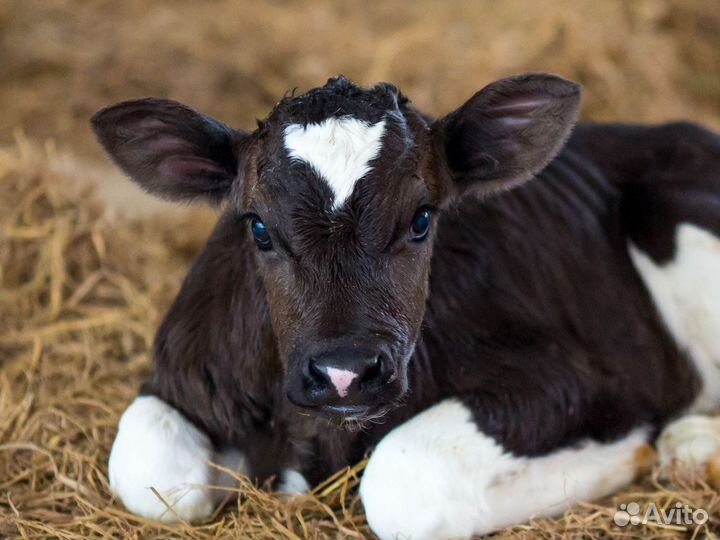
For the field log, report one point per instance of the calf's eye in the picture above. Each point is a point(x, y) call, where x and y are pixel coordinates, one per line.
point(420, 226)
point(259, 232)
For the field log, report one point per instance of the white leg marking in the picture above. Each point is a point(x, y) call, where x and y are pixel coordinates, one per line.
point(157, 447)
point(438, 477)
point(686, 292)
point(692, 441)
point(293, 483)
point(339, 149)
point(548, 485)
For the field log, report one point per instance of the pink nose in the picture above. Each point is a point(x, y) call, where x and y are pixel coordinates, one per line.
point(341, 379)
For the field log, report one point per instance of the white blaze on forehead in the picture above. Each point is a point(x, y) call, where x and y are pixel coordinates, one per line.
point(341, 379)
point(339, 149)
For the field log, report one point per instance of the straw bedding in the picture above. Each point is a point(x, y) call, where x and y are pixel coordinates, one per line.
point(83, 288)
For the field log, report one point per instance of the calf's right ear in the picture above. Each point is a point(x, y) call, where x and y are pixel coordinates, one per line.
point(169, 149)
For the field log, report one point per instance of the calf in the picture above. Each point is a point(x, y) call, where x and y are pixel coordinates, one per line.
point(373, 281)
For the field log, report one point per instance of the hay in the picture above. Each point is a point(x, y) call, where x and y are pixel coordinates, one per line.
point(640, 60)
point(82, 289)
point(81, 292)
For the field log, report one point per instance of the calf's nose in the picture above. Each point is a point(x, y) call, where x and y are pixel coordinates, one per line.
point(342, 380)
point(345, 377)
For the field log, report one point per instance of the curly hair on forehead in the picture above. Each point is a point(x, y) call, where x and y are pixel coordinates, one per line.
point(339, 97)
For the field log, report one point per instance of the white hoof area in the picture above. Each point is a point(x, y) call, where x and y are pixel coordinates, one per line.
point(156, 448)
point(690, 441)
point(293, 482)
point(427, 478)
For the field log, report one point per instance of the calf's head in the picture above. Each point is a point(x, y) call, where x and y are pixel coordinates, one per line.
point(338, 194)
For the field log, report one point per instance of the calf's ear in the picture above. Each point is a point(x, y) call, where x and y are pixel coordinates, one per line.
point(169, 149)
point(507, 132)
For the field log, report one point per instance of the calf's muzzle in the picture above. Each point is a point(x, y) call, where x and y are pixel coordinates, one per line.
point(343, 380)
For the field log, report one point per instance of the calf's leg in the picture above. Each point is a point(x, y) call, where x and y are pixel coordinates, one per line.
point(437, 476)
point(157, 447)
point(692, 442)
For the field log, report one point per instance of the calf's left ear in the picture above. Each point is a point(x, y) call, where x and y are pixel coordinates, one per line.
point(506, 133)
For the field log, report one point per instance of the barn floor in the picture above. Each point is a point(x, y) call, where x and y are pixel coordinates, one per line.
point(88, 266)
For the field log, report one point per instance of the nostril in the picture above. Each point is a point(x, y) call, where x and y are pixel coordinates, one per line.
point(343, 377)
point(372, 371)
point(316, 372)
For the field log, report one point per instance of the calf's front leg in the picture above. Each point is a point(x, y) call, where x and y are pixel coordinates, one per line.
point(438, 476)
point(157, 447)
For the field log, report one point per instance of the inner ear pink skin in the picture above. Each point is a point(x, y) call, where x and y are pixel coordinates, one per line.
point(341, 379)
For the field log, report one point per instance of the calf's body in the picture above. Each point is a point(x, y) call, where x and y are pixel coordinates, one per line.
point(553, 344)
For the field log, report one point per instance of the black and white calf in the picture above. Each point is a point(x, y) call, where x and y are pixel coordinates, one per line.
point(374, 282)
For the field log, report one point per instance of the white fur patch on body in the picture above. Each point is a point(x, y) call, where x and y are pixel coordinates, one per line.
point(157, 447)
point(686, 293)
point(338, 149)
point(437, 477)
point(691, 442)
